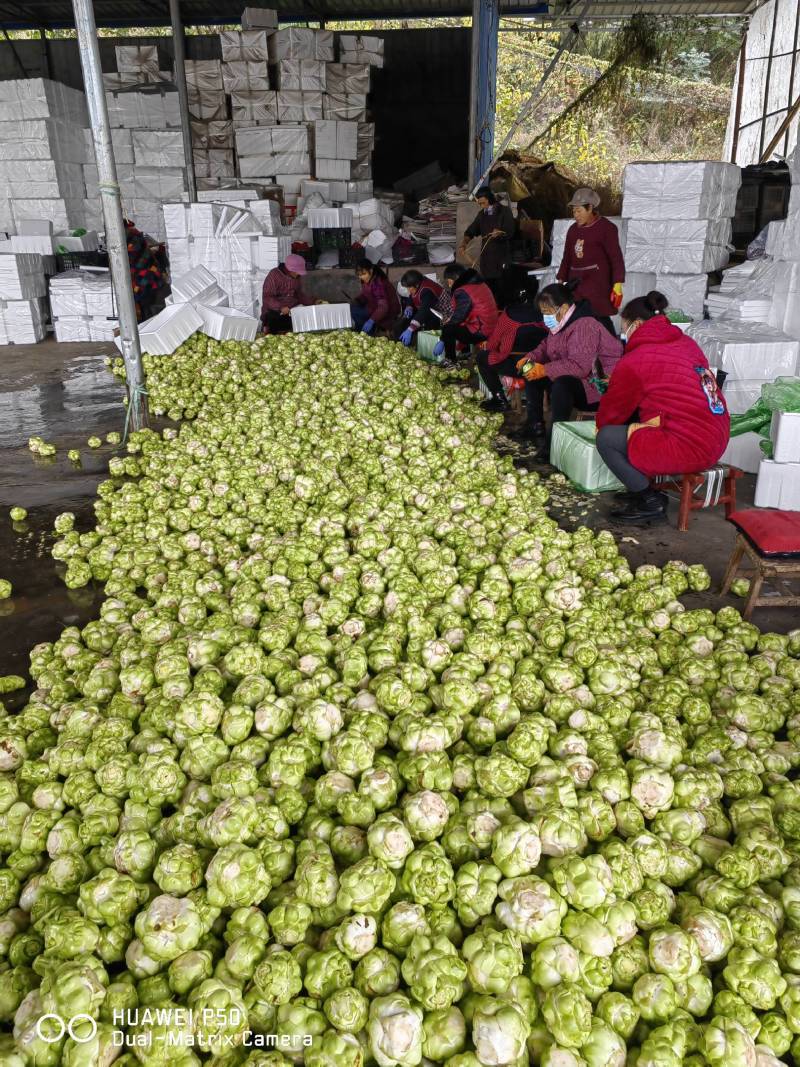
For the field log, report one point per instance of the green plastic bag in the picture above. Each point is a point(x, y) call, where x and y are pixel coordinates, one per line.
point(782, 395)
point(756, 419)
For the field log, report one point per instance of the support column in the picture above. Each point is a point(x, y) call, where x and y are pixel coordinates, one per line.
point(183, 93)
point(116, 239)
point(485, 24)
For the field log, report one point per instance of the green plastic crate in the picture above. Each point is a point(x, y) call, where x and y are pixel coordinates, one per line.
point(426, 342)
point(574, 453)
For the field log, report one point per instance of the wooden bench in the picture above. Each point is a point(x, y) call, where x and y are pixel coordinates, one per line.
point(719, 484)
point(771, 541)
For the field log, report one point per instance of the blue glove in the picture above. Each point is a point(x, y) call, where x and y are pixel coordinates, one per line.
point(407, 336)
point(368, 326)
point(409, 311)
point(438, 348)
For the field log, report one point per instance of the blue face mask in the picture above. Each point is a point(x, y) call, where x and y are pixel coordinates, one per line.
point(550, 322)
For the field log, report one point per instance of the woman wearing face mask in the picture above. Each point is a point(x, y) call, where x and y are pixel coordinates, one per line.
point(474, 312)
point(495, 225)
point(682, 423)
point(592, 257)
point(577, 352)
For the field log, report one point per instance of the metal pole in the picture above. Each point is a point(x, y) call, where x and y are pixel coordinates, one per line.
point(483, 86)
point(116, 239)
point(183, 93)
point(737, 111)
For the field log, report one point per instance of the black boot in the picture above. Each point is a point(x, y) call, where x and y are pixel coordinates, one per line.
point(497, 402)
point(644, 507)
point(530, 431)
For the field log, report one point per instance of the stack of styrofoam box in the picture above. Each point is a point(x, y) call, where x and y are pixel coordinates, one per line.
point(222, 239)
point(212, 148)
point(783, 245)
point(23, 287)
point(361, 49)
point(744, 292)
point(335, 149)
point(35, 237)
point(751, 354)
point(42, 154)
point(197, 286)
point(259, 18)
point(778, 484)
point(137, 65)
point(244, 61)
point(206, 91)
point(679, 225)
point(82, 306)
point(273, 150)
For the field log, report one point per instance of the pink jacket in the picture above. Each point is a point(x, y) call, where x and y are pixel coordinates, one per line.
point(574, 350)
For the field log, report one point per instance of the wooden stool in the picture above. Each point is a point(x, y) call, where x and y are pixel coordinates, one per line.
point(771, 541)
point(720, 488)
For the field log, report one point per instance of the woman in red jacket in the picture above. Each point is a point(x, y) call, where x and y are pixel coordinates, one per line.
point(663, 382)
point(519, 329)
point(577, 352)
point(377, 306)
point(474, 314)
point(593, 258)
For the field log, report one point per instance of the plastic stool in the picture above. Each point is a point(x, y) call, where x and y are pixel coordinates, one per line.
point(720, 488)
point(771, 541)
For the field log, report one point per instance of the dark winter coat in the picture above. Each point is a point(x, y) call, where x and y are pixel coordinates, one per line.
point(496, 251)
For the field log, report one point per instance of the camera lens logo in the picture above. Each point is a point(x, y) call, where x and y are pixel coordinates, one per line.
point(52, 1028)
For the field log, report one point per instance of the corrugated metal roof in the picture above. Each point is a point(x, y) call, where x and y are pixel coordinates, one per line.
point(36, 14)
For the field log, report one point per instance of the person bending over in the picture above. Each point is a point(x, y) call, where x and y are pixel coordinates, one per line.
point(576, 356)
point(377, 306)
point(283, 290)
point(663, 381)
point(425, 296)
point(474, 313)
point(519, 330)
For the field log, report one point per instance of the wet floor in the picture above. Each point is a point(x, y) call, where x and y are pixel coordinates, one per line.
point(65, 394)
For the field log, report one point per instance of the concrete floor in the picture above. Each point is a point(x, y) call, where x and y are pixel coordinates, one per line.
point(64, 393)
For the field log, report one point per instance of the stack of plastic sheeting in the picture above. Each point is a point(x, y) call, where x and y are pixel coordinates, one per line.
point(42, 154)
point(321, 317)
point(361, 49)
point(750, 354)
point(165, 332)
point(82, 305)
point(23, 322)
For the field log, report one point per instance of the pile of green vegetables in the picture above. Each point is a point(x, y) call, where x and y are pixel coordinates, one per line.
point(366, 761)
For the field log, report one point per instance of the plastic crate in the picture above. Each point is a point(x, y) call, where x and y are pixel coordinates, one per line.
point(426, 342)
point(76, 260)
point(349, 257)
point(573, 451)
point(332, 237)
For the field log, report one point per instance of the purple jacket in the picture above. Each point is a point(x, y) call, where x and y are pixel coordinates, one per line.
point(575, 349)
point(380, 299)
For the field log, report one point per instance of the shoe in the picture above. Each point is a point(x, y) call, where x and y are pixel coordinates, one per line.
point(645, 507)
point(496, 403)
point(624, 497)
point(530, 432)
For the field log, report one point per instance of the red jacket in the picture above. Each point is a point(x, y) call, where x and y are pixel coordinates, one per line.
point(660, 377)
point(380, 299)
point(592, 256)
point(576, 348)
point(518, 329)
point(474, 305)
point(282, 291)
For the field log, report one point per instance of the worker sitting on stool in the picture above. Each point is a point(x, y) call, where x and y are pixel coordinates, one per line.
point(283, 290)
point(519, 329)
point(425, 295)
point(474, 315)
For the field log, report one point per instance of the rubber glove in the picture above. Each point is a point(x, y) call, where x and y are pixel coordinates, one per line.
point(407, 336)
point(438, 348)
point(537, 371)
point(616, 296)
point(409, 311)
point(368, 326)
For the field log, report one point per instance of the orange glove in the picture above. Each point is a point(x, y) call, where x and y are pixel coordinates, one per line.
point(616, 296)
point(537, 371)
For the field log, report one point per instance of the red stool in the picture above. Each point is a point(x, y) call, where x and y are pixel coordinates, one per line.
point(719, 484)
point(771, 541)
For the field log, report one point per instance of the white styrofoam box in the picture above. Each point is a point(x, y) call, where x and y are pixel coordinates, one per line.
point(152, 107)
point(175, 220)
point(785, 435)
point(227, 324)
point(636, 284)
point(214, 163)
point(323, 189)
point(321, 317)
point(165, 332)
point(741, 393)
point(32, 245)
point(785, 296)
point(245, 46)
point(346, 107)
point(245, 75)
point(192, 285)
point(322, 218)
point(137, 57)
point(254, 107)
point(43, 139)
point(299, 106)
point(701, 189)
point(207, 105)
point(88, 242)
point(64, 214)
point(336, 169)
point(747, 350)
point(154, 148)
point(775, 231)
point(299, 43)
point(156, 183)
point(744, 452)
point(125, 80)
point(685, 292)
point(366, 137)
point(272, 251)
point(675, 246)
point(561, 227)
point(361, 49)
point(336, 140)
point(348, 78)
point(778, 485)
point(259, 140)
point(259, 18)
point(306, 74)
point(21, 277)
point(39, 98)
point(292, 183)
point(71, 329)
point(204, 74)
point(212, 134)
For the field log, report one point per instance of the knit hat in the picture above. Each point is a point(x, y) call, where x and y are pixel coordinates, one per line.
point(295, 264)
point(584, 196)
